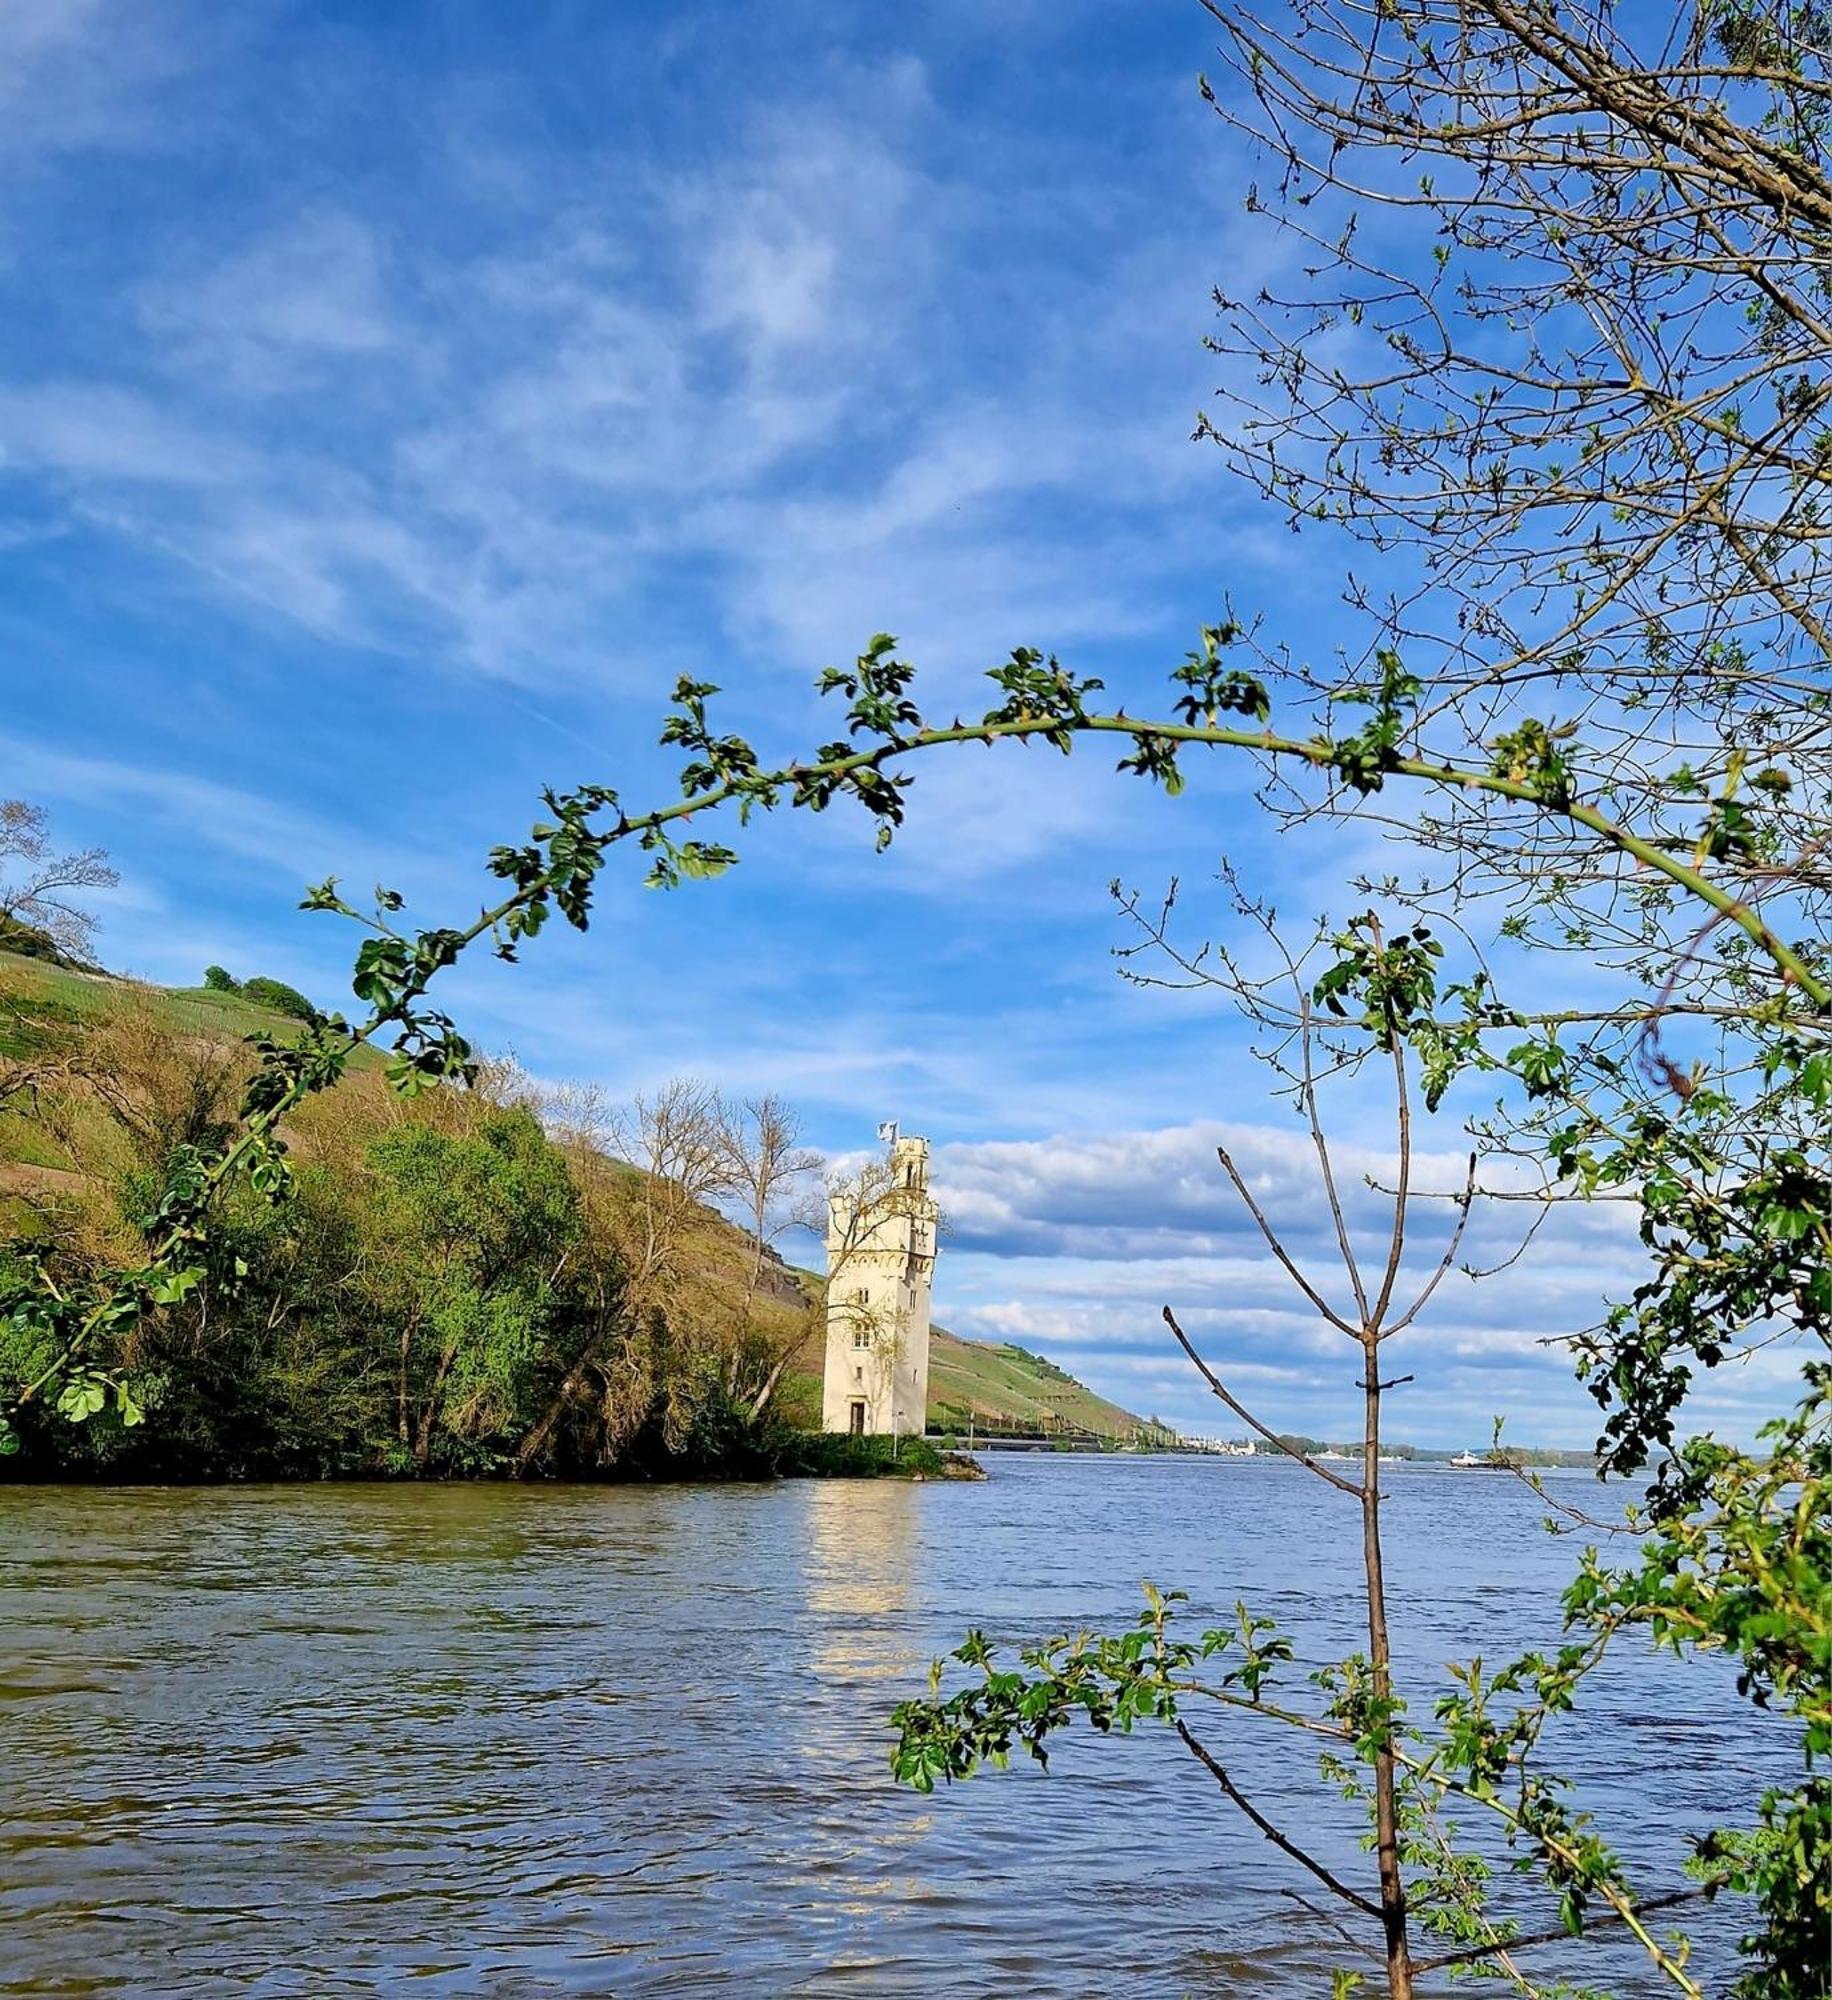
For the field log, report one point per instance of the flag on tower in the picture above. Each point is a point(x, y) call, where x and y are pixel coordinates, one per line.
point(888, 1132)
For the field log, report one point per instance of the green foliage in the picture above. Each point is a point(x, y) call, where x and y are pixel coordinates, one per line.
point(219, 980)
point(399, 1289)
point(1736, 1212)
point(1533, 755)
point(1738, 1558)
point(1481, 1755)
point(1215, 690)
point(1364, 759)
point(474, 1229)
point(1387, 985)
point(1735, 1197)
point(274, 993)
point(839, 1455)
point(556, 869)
point(1040, 691)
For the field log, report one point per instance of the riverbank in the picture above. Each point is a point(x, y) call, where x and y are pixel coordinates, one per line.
point(779, 1454)
point(825, 1455)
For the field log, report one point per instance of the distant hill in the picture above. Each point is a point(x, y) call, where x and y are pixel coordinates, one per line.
point(991, 1385)
point(1010, 1385)
point(983, 1384)
point(186, 1010)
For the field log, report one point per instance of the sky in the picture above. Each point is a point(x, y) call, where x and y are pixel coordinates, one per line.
point(395, 402)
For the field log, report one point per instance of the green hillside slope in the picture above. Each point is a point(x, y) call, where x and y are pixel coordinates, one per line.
point(1000, 1386)
point(184, 1010)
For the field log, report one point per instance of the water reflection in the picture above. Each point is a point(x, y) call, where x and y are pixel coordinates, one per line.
point(861, 1577)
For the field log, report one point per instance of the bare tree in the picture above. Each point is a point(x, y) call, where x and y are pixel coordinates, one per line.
point(1376, 1313)
point(1422, 1874)
point(1547, 328)
point(37, 883)
point(1280, 1007)
point(604, 1368)
point(676, 1139)
point(648, 1174)
point(766, 1167)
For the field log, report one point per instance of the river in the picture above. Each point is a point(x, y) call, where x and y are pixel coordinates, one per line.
point(484, 1739)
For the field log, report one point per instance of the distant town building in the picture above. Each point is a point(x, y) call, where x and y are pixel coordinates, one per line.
point(880, 1261)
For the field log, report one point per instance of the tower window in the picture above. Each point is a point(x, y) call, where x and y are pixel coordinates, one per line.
point(861, 1334)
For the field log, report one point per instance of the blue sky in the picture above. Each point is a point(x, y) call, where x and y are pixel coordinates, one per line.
point(393, 402)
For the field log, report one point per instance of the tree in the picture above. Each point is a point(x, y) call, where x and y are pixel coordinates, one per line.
point(66, 1328)
point(663, 1343)
point(1378, 987)
point(275, 993)
point(766, 1169)
point(676, 1138)
point(218, 979)
point(38, 885)
point(479, 1227)
point(1555, 350)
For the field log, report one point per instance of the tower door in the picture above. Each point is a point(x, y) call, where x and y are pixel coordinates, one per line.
point(858, 1419)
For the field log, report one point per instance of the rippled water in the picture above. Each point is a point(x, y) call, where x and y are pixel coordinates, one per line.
point(497, 1740)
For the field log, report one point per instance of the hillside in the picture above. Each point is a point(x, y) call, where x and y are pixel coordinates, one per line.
point(1009, 1385)
point(991, 1386)
point(55, 990)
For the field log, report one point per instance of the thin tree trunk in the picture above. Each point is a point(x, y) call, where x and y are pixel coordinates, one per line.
point(761, 1401)
point(423, 1442)
point(536, 1438)
point(1386, 1814)
point(530, 1446)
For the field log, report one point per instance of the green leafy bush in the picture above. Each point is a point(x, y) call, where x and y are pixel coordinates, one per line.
point(283, 999)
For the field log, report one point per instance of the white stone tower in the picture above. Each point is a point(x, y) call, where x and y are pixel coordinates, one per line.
point(880, 1260)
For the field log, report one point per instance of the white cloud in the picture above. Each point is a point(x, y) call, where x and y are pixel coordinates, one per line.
point(101, 436)
point(265, 318)
point(1073, 1246)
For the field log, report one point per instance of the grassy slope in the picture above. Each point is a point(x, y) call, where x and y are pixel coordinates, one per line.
point(992, 1384)
point(54, 992)
point(188, 1010)
point(1003, 1384)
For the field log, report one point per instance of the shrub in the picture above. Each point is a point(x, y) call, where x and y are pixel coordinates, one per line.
point(839, 1455)
point(283, 999)
point(28, 941)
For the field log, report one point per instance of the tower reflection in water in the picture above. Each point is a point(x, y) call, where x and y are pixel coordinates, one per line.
point(867, 1653)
